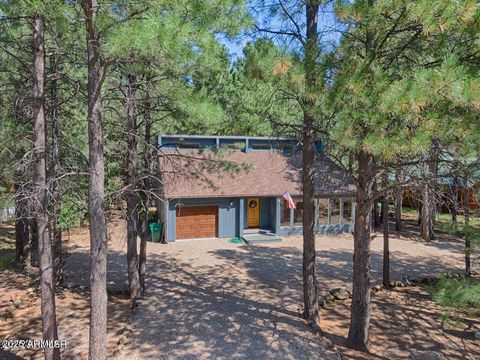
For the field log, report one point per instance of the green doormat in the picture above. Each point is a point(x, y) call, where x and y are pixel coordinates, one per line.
point(236, 240)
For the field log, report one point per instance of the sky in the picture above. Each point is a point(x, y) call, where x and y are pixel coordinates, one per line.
point(236, 45)
point(264, 18)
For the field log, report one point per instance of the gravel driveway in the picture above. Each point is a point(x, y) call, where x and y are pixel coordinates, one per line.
point(212, 299)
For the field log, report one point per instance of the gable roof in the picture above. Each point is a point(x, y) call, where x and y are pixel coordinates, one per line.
point(194, 174)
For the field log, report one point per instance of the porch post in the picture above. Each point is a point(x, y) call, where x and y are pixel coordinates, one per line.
point(169, 231)
point(162, 214)
point(353, 213)
point(277, 215)
point(341, 211)
point(317, 212)
point(291, 220)
point(329, 211)
point(241, 209)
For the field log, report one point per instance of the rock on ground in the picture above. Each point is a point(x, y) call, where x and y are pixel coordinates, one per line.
point(340, 293)
point(426, 355)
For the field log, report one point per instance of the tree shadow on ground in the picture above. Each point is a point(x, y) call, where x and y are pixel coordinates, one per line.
point(72, 305)
point(243, 304)
point(402, 320)
point(246, 303)
point(222, 312)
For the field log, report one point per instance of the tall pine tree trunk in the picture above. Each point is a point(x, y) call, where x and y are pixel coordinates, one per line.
point(310, 296)
point(98, 229)
point(131, 182)
point(360, 307)
point(147, 181)
point(420, 205)
point(398, 201)
point(382, 210)
point(426, 223)
point(386, 240)
point(47, 283)
point(27, 241)
point(144, 236)
point(22, 206)
point(429, 203)
point(22, 231)
point(433, 168)
point(55, 183)
point(454, 201)
point(466, 215)
point(376, 212)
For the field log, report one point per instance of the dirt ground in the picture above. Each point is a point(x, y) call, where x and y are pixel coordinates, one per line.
point(72, 302)
point(404, 319)
point(215, 299)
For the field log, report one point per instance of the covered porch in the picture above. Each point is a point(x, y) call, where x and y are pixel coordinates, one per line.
point(333, 214)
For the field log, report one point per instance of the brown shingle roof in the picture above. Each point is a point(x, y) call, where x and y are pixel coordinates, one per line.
point(188, 174)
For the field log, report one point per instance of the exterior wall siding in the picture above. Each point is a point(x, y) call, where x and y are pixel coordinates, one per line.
point(233, 219)
point(265, 214)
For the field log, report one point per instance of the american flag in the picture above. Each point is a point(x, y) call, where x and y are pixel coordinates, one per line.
point(288, 198)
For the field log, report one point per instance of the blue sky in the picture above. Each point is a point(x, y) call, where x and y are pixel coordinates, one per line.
point(236, 45)
point(327, 22)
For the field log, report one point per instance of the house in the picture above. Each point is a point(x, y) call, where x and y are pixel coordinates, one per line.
point(446, 192)
point(229, 186)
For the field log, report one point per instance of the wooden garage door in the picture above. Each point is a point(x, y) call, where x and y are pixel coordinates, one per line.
point(196, 222)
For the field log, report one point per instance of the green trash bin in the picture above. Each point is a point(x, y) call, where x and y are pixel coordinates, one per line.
point(156, 230)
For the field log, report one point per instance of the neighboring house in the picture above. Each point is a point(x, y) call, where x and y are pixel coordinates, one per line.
point(225, 186)
point(7, 214)
point(446, 190)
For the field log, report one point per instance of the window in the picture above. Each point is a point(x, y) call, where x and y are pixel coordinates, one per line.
point(298, 212)
point(335, 206)
point(323, 211)
point(261, 146)
point(236, 145)
point(185, 145)
point(285, 147)
point(347, 211)
point(284, 213)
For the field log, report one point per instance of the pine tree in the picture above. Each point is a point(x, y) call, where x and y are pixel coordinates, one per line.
point(390, 54)
point(47, 280)
point(96, 207)
point(301, 76)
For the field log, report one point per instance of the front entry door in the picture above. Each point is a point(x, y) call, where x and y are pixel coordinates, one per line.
point(253, 213)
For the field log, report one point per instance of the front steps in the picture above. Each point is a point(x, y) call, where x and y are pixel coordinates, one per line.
point(260, 236)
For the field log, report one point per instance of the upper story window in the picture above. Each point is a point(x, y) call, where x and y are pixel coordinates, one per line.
point(237, 145)
point(192, 142)
point(298, 212)
point(261, 146)
point(284, 147)
point(188, 145)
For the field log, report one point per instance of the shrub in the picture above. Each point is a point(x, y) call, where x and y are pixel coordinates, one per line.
point(458, 293)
